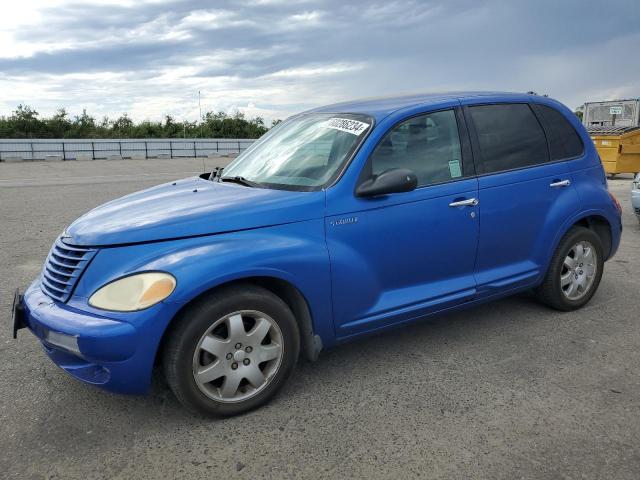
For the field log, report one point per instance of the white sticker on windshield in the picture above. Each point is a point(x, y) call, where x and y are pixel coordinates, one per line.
point(346, 125)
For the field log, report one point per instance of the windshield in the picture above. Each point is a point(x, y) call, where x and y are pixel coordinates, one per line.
point(304, 152)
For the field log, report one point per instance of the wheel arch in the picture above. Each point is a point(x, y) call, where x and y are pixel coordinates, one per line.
point(601, 227)
point(311, 343)
point(593, 220)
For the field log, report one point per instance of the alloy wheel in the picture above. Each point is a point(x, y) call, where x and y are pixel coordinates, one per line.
point(579, 270)
point(238, 356)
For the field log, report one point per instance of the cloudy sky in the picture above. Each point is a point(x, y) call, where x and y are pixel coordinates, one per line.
point(274, 58)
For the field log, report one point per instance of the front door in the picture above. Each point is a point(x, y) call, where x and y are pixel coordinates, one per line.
point(401, 256)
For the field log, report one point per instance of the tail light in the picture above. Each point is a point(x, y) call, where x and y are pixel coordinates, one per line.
point(616, 203)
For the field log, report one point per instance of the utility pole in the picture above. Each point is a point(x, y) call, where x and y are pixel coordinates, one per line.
point(200, 108)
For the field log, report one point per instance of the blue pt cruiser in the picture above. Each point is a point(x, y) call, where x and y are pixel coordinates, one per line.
point(342, 221)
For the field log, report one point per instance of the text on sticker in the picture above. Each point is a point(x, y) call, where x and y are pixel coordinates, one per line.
point(346, 125)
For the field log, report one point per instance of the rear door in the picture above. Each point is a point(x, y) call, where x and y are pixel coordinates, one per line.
point(525, 195)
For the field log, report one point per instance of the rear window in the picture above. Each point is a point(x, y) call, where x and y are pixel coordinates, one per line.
point(564, 141)
point(509, 137)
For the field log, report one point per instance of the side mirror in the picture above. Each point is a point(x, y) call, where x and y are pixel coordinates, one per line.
point(395, 180)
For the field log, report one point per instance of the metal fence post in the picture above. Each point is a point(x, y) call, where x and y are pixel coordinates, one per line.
point(146, 150)
point(120, 147)
point(170, 149)
point(31, 146)
point(93, 151)
point(238, 146)
point(195, 154)
point(64, 152)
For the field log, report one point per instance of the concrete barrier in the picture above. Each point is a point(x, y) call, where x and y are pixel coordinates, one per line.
point(53, 158)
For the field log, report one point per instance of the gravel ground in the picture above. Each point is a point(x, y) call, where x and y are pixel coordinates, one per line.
point(507, 390)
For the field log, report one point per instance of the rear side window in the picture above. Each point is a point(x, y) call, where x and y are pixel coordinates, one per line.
point(509, 137)
point(564, 141)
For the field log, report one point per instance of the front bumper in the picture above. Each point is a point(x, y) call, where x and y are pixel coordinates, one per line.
point(110, 353)
point(635, 201)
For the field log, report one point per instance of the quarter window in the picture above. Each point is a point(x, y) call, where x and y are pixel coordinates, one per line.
point(564, 141)
point(509, 137)
point(428, 145)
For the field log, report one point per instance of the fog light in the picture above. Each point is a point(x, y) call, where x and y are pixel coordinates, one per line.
point(66, 342)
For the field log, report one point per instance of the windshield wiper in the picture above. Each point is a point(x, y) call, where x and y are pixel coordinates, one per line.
point(240, 180)
point(217, 173)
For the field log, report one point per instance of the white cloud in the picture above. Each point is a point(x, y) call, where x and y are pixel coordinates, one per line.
point(275, 57)
point(585, 73)
point(213, 19)
point(317, 70)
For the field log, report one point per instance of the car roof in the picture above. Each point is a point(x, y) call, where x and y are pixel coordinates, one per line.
point(380, 107)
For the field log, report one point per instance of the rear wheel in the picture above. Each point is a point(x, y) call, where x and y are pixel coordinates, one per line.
point(231, 351)
point(575, 271)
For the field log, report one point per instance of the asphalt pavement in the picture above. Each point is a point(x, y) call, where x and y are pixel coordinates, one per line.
point(507, 390)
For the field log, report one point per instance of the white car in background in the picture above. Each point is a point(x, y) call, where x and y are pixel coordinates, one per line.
point(635, 195)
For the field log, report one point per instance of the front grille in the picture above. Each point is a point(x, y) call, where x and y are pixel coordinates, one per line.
point(62, 269)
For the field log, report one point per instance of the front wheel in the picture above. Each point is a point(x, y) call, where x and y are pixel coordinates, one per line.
point(575, 271)
point(231, 351)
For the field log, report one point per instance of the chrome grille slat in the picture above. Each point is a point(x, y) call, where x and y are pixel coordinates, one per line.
point(60, 264)
point(64, 280)
point(62, 269)
point(72, 253)
point(59, 254)
point(53, 269)
point(50, 285)
point(57, 278)
point(60, 244)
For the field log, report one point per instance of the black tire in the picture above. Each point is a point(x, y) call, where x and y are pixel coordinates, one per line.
point(550, 291)
point(191, 324)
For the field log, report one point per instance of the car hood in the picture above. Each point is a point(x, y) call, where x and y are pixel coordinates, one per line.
point(191, 207)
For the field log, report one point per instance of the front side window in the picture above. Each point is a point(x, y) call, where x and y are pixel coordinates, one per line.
point(428, 145)
point(509, 137)
point(564, 141)
point(304, 152)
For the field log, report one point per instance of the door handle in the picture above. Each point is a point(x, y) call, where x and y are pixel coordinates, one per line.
point(560, 183)
point(470, 202)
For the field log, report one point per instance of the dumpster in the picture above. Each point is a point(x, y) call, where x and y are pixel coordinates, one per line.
point(618, 147)
point(612, 113)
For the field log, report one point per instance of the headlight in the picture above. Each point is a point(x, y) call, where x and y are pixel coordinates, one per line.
point(135, 292)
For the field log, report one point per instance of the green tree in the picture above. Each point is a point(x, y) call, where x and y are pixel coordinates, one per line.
point(25, 122)
point(58, 125)
point(83, 126)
